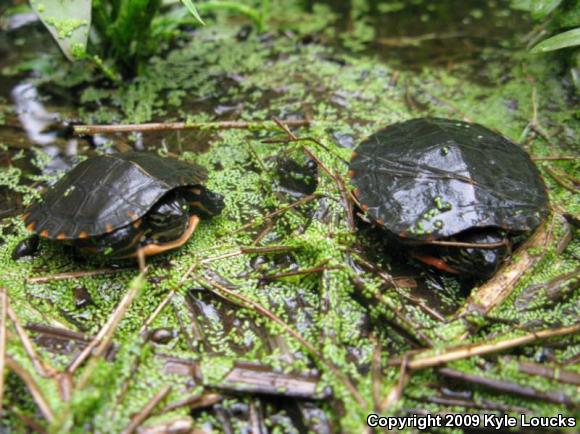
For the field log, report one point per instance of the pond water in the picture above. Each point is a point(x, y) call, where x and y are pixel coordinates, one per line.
point(376, 63)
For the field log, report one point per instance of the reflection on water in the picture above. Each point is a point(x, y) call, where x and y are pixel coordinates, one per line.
point(34, 118)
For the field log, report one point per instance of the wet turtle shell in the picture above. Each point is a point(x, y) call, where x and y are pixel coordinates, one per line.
point(432, 178)
point(107, 192)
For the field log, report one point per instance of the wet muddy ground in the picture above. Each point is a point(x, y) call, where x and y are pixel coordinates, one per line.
point(282, 314)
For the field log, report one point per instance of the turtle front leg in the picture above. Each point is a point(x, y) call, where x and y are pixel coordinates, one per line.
point(26, 247)
point(156, 248)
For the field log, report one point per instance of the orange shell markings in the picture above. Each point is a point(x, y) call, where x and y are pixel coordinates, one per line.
point(31, 226)
point(61, 236)
point(354, 154)
point(83, 234)
point(109, 228)
point(350, 173)
point(44, 234)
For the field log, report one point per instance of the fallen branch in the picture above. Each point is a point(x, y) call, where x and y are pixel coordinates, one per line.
point(556, 158)
point(557, 374)
point(33, 388)
point(491, 294)
point(180, 126)
point(101, 341)
point(194, 402)
point(241, 300)
point(507, 387)
point(76, 274)
point(140, 417)
point(426, 359)
point(562, 181)
point(41, 366)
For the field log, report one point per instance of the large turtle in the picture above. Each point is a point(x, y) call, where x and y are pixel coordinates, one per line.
point(119, 204)
point(438, 183)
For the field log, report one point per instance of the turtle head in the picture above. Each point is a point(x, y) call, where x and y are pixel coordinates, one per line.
point(203, 202)
point(481, 262)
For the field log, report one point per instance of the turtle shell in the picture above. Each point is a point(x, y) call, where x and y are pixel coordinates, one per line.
point(107, 192)
point(432, 178)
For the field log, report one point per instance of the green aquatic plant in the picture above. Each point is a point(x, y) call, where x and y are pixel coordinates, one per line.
point(561, 20)
point(118, 34)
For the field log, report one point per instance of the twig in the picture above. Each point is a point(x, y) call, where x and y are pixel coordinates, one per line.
point(561, 180)
point(76, 274)
point(376, 372)
point(146, 411)
point(101, 341)
point(156, 312)
point(558, 374)
point(33, 388)
point(266, 249)
point(278, 212)
point(341, 187)
point(307, 139)
point(28, 421)
point(426, 359)
point(396, 391)
point(507, 387)
point(194, 402)
point(392, 282)
point(311, 270)
point(180, 126)
point(261, 379)
point(41, 366)
point(499, 287)
point(3, 317)
point(457, 244)
point(225, 293)
point(484, 405)
point(556, 158)
point(405, 41)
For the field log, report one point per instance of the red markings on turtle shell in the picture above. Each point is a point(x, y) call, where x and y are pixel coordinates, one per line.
point(109, 228)
point(354, 154)
point(83, 234)
point(31, 226)
point(131, 213)
point(44, 234)
point(24, 217)
point(61, 236)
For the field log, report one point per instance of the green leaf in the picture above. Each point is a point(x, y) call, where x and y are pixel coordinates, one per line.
point(570, 38)
point(68, 21)
point(542, 8)
point(192, 10)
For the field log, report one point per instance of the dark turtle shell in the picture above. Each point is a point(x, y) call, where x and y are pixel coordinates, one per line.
point(432, 178)
point(107, 192)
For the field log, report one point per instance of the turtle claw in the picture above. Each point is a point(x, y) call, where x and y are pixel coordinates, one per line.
point(26, 247)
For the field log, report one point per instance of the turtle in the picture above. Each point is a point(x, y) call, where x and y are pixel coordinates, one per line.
point(122, 205)
point(457, 195)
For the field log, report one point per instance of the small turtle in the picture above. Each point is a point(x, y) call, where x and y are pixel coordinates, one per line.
point(432, 181)
point(117, 205)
